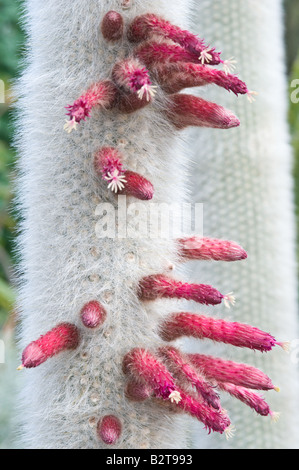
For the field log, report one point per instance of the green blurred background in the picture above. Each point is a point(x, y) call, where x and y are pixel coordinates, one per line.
point(11, 50)
point(11, 40)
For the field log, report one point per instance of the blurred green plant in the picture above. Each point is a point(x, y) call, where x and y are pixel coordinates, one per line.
point(291, 31)
point(11, 43)
point(294, 125)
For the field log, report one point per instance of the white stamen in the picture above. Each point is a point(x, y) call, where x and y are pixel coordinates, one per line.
point(229, 65)
point(230, 432)
point(70, 125)
point(286, 346)
point(148, 90)
point(116, 181)
point(175, 397)
point(229, 299)
point(251, 96)
point(205, 57)
point(275, 416)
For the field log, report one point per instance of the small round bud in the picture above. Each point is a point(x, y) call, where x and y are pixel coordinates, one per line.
point(93, 314)
point(112, 26)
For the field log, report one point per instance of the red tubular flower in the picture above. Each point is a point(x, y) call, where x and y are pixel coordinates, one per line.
point(129, 103)
point(93, 314)
point(158, 286)
point(250, 398)
point(137, 186)
point(174, 77)
point(199, 326)
point(107, 159)
point(62, 337)
point(196, 248)
point(146, 26)
point(109, 429)
point(214, 420)
point(188, 110)
point(102, 94)
point(112, 26)
point(146, 368)
point(184, 368)
point(131, 75)
point(152, 53)
point(107, 163)
point(242, 375)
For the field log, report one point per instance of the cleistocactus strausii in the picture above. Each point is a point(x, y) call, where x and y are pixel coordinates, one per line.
point(96, 325)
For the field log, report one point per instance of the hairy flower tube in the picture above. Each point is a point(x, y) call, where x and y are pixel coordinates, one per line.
point(146, 26)
point(196, 248)
point(108, 164)
point(200, 326)
point(133, 77)
point(158, 286)
point(63, 337)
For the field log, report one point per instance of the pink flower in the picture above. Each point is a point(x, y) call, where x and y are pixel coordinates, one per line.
point(200, 326)
point(146, 26)
point(145, 368)
point(107, 163)
point(134, 77)
point(196, 248)
point(102, 94)
point(158, 286)
point(174, 77)
point(181, 365)
point(188, 110)
point(63, 337)
point(242, 375)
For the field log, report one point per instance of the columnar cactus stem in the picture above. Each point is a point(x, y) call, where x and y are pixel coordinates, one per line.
point(102, 373)
point(66, 265)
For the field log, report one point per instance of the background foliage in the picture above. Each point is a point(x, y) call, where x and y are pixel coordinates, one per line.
point(292, 41)
point(11, 41)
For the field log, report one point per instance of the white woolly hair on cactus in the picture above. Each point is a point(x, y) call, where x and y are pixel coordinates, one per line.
point(96, 322)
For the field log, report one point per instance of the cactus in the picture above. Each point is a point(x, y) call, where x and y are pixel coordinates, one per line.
point(245, 183)
point(95, 320)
